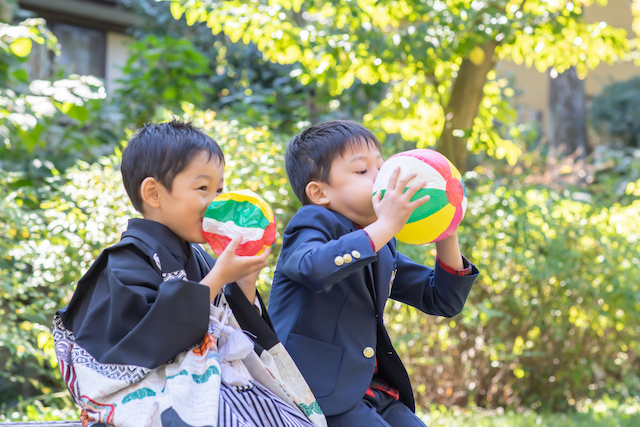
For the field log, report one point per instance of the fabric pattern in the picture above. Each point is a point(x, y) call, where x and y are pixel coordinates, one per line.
point(124, 395)
point(256, 408)
point(189, 387)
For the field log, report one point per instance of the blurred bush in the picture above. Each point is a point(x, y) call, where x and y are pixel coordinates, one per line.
point(44, 127)
point(615, 112)
point(553, 318)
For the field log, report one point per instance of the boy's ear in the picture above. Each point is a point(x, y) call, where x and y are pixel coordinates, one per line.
point(316, 193)
point(149, 191)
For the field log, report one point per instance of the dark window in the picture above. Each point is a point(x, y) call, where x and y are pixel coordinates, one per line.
point(82, 51)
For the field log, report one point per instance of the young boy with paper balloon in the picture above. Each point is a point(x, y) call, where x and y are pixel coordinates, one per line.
point(153, 335)
point(339, 265)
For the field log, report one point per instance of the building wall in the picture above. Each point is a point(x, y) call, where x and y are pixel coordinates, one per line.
point(116, 58)
point(92, 34)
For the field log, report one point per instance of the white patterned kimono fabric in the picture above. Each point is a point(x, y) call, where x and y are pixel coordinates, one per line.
point(124, 395)
point(202, 385)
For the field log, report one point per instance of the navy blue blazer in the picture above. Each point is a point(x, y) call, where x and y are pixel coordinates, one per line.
point(327, 300)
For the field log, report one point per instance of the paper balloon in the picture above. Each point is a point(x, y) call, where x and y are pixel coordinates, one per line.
point(239, 213)
point(440, 216)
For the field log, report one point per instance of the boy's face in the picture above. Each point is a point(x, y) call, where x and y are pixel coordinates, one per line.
point(350, 186)
point(193, 189)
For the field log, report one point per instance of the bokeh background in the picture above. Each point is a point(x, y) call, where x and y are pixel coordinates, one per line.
point(537, 102)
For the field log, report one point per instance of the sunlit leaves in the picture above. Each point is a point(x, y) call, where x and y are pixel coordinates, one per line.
point(21, 47)
point(568, 43)
point(338, 43)
point(553, 308)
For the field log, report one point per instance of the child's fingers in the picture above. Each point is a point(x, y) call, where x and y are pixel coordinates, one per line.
point(233, 245)
point(256, 261)
point(393, 179)
point(421, 201)
point(265, 254)
point(404, 180)
point(375, 200)
point(411, 191)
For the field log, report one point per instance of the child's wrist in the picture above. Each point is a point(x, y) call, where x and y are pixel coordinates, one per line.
point(389, 223)
point(214, 285)
point(380, 232)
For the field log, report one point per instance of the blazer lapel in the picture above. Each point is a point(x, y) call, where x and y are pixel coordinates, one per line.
point(385, 273)
point(371, 284)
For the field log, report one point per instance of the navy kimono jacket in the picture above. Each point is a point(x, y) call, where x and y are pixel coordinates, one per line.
point(134, 306)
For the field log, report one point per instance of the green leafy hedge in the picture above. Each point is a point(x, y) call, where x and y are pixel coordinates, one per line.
point(554, 317)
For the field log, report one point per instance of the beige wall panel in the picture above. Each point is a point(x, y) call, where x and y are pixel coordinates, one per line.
point(116, 58)
point(533, 85)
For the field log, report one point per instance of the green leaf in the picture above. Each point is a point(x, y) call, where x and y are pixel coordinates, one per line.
point(78, 112)
point(21, 75)
point(21, 47)
point(176, 10)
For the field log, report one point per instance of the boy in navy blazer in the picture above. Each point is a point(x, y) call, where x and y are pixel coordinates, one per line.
point(339, 265)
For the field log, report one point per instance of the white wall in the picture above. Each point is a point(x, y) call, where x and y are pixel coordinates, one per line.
point(116, 58)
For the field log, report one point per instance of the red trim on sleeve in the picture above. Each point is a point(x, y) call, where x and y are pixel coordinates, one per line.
point(373, 245)
point(464, 272)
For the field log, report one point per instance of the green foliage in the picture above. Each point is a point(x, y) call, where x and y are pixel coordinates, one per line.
point(162, 71)
point(38, 274)
point(242, 82)
point(553, 318)
point(416, 48)
point(44, 126)
point(617, 179)
point(616, 110)
point(603, 413)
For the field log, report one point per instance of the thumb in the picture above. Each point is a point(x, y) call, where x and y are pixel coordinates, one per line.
point(233, 244)
point(376, 198)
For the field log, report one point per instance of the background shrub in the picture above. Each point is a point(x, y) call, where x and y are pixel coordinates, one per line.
point(616, 110)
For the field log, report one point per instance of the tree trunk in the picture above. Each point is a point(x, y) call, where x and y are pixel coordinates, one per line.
point(567, 119)
point(466, 95)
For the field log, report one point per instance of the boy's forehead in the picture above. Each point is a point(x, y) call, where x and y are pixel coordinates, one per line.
point(203, 163)
point(360, 150)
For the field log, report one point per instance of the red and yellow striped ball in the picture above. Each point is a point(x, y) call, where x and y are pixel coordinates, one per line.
point(239, 213)
point(440, 216)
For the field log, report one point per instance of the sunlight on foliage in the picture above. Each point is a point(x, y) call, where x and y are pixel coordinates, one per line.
point(418, 47)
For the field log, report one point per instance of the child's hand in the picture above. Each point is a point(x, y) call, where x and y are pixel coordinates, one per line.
point(393, 211)
point(230, 267)
point(396, 206)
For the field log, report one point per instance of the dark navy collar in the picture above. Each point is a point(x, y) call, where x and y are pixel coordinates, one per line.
point(163, 234)
point(352, 226)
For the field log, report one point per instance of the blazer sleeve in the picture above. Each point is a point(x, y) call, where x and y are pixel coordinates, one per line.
point(313, 242)
point(135, 318)
point(432, 291)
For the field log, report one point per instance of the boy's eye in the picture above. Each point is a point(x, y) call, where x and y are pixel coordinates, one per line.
point(203, 188)
point(362, 172)
point(219, 191)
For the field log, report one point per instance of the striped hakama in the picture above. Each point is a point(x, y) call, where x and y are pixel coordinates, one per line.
point(256, 407)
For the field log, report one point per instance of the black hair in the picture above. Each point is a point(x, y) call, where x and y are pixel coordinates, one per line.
point(162, 151)
point(310, 154)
